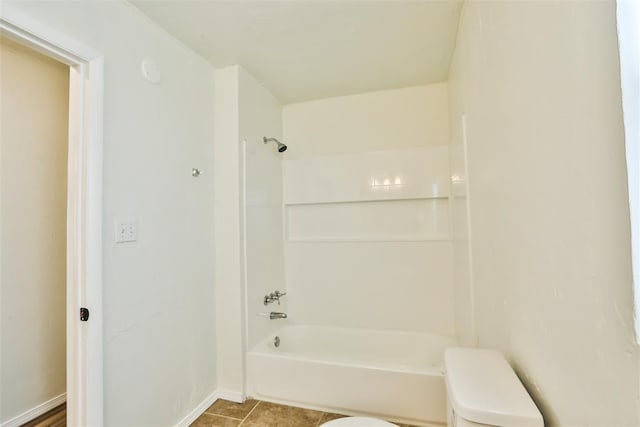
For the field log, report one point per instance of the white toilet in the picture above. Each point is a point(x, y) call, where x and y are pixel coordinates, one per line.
point(357, 422)
point(483, 390)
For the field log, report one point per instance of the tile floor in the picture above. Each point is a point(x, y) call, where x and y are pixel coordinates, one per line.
point(257, 413)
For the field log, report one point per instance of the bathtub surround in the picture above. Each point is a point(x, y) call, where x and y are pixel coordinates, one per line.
point(159, 343)
point(366, 191)
point(368, 258)
point(548, 203)
point(387, 244)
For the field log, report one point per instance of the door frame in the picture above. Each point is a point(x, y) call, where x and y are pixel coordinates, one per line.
point(84, 208)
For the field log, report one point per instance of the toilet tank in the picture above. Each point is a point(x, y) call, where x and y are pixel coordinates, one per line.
point(482, 389)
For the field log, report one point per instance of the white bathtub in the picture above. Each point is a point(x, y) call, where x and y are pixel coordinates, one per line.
point(393, 375)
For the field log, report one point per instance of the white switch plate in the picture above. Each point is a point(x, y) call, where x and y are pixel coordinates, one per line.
point(126, 230)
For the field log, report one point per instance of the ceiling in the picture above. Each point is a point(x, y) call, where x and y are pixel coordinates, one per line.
point(310, 49)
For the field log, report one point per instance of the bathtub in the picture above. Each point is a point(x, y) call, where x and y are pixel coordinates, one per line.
point(392, 375)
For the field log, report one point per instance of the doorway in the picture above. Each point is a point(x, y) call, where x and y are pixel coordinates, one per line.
point(83, 254)
point(34, 117)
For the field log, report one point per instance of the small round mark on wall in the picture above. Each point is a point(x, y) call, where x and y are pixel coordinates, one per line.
point(150, 71)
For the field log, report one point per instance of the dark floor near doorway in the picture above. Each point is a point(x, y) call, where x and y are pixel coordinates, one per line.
point(57, 417)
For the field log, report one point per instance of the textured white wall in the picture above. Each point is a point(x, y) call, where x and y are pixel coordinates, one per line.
point(228, 227)
point(461, 236)
point(33, 145)
point(540, 85)
point(399, 118)
point(628, 16)
point(159, 339)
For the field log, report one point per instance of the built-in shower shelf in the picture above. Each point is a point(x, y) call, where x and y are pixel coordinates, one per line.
point(369, 240)
point(387, 199)
point(411, 219)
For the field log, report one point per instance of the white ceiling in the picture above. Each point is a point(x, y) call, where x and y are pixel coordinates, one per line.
point(302, 49)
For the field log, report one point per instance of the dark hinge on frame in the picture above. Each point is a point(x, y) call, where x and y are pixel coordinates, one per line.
point(84, 314)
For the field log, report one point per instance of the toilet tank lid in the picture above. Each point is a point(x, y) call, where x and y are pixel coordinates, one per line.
point(483, 388)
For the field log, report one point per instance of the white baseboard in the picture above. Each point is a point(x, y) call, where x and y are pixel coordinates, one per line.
point(32, 413)
point(197, 411)
point(234, 396)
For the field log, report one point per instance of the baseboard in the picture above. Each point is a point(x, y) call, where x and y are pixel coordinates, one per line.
point(197, 411)
point(234, 396)
point(33, 413)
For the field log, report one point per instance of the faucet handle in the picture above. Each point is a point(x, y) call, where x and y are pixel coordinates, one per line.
point(278, 294)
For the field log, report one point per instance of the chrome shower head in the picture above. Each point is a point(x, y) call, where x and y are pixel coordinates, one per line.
point(281, 147)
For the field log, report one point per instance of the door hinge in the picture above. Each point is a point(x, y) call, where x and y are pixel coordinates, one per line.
point(84, 314)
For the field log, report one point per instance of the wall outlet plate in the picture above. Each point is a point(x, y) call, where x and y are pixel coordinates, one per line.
point(126, 230)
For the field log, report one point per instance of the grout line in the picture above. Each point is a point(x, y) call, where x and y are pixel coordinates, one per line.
point(224, 416)
point(250, 412)
point(320, 419)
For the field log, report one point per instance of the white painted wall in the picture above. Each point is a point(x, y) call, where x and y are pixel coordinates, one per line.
point(540, 85)
point(228, 225)
point(261, 115)
point(33, 151)
point(461, 238)
point(367, 212)
point(628, 17)
point(400, 118)
point(159, 339)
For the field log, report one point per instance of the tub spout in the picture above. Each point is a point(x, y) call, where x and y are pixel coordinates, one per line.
point(276, 315)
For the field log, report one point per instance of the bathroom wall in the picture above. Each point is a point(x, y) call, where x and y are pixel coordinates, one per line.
point(366, 211)
point(229, 291)
point(33, 145)
point(249, 251)
point(159, 341)
point(400, 118)
point(539, 85)
point(461, 238)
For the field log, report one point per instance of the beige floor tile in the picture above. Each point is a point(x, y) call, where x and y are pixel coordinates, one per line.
point(232, 409)
point(273, 415)
point(208, 420)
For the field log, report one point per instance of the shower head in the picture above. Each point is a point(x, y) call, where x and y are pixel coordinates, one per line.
point(281, 147)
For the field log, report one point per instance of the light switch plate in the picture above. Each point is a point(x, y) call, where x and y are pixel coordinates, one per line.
point(126, 230)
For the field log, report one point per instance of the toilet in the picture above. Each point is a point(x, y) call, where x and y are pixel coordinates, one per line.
point(483, 390)
point(357, 422)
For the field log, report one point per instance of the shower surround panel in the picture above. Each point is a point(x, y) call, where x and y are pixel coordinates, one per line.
point(367, 240)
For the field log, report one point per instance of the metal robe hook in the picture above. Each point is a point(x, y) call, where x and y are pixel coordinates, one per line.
point(195, 172)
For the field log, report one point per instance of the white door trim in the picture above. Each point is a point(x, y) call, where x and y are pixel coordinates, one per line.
point(84, 209)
